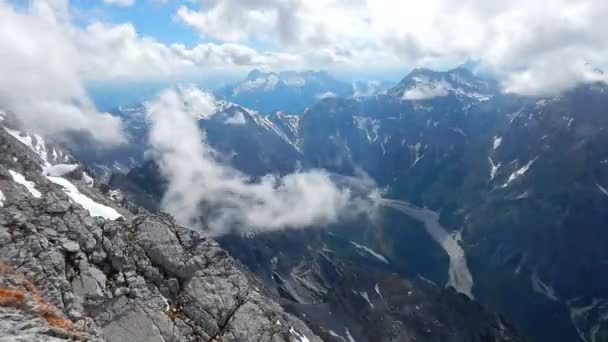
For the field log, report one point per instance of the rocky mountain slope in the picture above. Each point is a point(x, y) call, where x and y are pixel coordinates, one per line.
point(289, 91)
point(350, 293)
point(79, 262)
point(520, 180)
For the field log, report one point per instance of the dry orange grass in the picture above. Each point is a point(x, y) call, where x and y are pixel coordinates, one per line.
point(11, 298)
point(16, 298)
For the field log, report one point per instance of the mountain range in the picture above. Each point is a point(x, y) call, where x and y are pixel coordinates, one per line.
point(495, 196)
point(519, 183)
point(292, 91)
point(79, 261)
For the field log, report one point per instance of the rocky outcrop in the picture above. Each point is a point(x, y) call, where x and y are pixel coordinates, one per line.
point(66, 274)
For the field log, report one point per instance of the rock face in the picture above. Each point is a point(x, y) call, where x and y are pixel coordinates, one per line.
point(357, 298)
point(66, 274)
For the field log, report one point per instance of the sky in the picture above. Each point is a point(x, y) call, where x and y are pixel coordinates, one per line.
point(51, 50)
point(524, 41)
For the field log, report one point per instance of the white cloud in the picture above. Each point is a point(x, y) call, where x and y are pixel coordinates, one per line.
point(520, 39)
point(122, 3)
point(537, 48)
point(427, 90)
point(237, 119)
point(200, 186)
point(326, 95)
point(365, 89)
point(40, 82)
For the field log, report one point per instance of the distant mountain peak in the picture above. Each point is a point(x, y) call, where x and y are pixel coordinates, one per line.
point(425, 84)
point(287, 90)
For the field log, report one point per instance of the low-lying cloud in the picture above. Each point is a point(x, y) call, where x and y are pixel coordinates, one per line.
point(426, 91)
point(204, 193)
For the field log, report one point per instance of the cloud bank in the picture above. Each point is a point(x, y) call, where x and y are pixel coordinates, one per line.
point(204, 193)
point(39, 82)
point(537, 47)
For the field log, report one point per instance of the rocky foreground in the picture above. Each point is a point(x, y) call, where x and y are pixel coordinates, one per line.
point(67, 275)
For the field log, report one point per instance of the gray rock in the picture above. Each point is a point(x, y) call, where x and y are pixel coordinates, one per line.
point(71, 247)
point(139, 279)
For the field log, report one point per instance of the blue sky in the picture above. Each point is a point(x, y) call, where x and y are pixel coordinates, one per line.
point(151, 18)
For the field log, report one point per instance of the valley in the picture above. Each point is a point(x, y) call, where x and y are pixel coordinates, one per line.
point(459, 275)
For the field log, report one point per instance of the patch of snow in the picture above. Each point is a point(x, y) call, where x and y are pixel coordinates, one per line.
point(471, 94)
point(377, 289)
point(459, 131)
point(419, 156)
point(88, 180)
point(349, 336)
point(30, 186)
point(326, 95)
point(497, 142)
point(292, 121)
point(494, 168)
point(369, 126)
point(299, 335)
point(383, 144)
point(2, 199)
point(167, 306)
point(540, 287)
point(422, 108)
point(580, 313)
point(58, 170)
point(267, 124)
point(25, 139)
point(602, 189)
point(334, 334)
point(515, 115)
point(36, 143)
point(366, 297)
point(370, 252)
point(520, 172)
point(294, 81)
point(95, 209)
